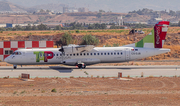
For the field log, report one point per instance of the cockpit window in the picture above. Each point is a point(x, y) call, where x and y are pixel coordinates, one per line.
point(17, 53)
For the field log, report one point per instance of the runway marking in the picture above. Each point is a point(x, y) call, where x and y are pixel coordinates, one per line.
point(174, 84)
point(163, 84)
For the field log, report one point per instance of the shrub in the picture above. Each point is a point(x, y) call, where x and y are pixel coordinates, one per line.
point(15, 92)
point(115, 44)
point(77, 31)
point(66, 39)
point(107, 45)
point(43, 91)
point(53, 90)
point(23, 92)
point(90, 40)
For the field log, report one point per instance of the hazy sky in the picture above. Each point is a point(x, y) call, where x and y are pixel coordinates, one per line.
point(108, 5)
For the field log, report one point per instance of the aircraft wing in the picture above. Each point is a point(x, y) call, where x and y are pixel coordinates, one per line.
point(78, 48)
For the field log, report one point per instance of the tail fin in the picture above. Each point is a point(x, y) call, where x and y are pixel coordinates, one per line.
point(156, 38)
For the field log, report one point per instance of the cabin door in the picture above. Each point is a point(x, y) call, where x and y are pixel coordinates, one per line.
point(127, 53)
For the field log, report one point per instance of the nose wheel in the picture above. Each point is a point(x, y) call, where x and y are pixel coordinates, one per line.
point(14, 66)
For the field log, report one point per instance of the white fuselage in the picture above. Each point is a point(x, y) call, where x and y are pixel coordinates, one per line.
point(96, 55)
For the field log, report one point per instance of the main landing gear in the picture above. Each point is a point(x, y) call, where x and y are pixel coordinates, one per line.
point(14, 66)
point(82, 65)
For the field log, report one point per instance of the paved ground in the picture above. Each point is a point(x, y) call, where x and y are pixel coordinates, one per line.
point(106, 71)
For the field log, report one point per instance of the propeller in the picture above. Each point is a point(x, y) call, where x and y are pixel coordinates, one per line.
point(62, 50)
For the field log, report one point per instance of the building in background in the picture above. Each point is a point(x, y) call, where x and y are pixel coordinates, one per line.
point(83, 9)
point(8, 25)
point(73, 9)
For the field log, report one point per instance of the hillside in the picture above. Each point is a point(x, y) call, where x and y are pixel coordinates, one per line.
point(90, 17)
point(108, 5)
point(7, 6)
point(55, 7)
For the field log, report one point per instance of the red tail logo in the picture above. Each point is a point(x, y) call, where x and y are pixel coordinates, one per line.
point(160, 30)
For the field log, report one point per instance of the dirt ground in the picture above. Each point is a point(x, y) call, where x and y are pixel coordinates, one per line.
point(150, 91)
point(91, 92)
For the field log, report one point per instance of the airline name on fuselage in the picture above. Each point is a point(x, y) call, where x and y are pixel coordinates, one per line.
point(157, 35)
point(43, 55)
point(135, 53)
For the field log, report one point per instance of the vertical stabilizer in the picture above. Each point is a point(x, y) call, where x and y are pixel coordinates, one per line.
point(160, 30)
point(156, 37)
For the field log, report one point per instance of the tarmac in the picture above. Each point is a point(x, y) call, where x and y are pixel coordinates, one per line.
point(95, 71)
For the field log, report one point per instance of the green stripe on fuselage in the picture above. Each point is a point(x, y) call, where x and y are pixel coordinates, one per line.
point(147, 39)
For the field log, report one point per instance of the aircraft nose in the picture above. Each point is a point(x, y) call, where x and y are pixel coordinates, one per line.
point(6, 60)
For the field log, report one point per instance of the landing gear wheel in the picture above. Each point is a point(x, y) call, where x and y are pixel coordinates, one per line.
point(84, 66)
point(15, 66)
point(79, 65)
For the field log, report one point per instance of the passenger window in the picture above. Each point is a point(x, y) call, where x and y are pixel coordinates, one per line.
point(121, 53)
point(94, 53)
point(101, 53)
point(70, 54)
point(54, 54)
point(91, 54)
point(81, 54)
point(111, 53)
point(87, 53)
point(57, 54)
point(104, 53)
point(49, 54)
point(97, 53)
point(114, 53)
point(77, 54)
point(66, 54)
point(108, 53)
point(118, 53)
point(74, 54)
point(60, 54)
point(84, 54)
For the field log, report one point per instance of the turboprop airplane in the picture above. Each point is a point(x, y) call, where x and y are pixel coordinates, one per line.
point(83, 55)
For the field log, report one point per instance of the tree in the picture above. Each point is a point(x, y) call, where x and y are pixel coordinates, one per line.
point(90, 40)
point(34, 27)
point(41, 10)
point(99, 15)
point(179, 23)
point(58, 43)
point(42, 27)
point(66, 39)
point(58, 27)
point(17, 28)
point(47, 10)
point(103, 26)
point(101, 11)
point(28, 27)
point(172, 13)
